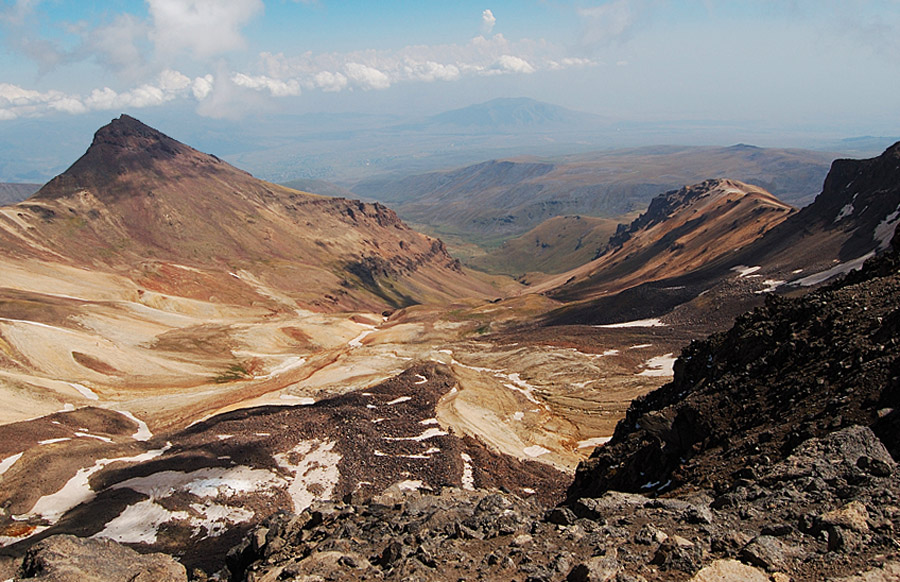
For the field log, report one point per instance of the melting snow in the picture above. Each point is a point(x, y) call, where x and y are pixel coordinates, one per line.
point(77, 489)
point(8, 462)
point(846, 211)
point(428, 421)
point(468, 475)
point(659, 366)
point(428, 434)
point(885, 230)
point(518, 415)
point(288, 364)
point(139, 523)
point(593, 442)
point(215, 517)
point(315, 473)
point(357, 341)
point(84, 390)
point(771, 285)
point(744, 271)
point(640, 346)
point(297, 400)
point(143, 432)
point(839, 269)
point(206, 482)
point(93, 436)
point(51, 441)
point(535, 451)
point(421, 379)
point(399, 400)
point(653, 322)
point(410, 485)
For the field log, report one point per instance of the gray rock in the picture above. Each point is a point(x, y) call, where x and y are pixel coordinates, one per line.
point(766, 552)
point(67, 558)
point(596, 569)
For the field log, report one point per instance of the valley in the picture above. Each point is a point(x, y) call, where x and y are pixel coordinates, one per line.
point(186, 350)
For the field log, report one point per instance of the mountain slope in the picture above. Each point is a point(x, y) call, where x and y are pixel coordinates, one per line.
point(852, 219)
point(681, 231)
point(556, 245)
point(138, 197)
point(499, 199)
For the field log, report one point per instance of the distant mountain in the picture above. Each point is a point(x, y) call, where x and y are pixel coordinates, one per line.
point(10, 192)
point(512, 114)
point(500, 199)
point(138, 197)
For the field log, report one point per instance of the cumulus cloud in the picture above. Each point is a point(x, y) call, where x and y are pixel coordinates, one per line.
point(275, 87)
point(487, 21)
point(367, 77)
point(609, 22)
point(17, 102)
point(513, 64)
point(204, 28)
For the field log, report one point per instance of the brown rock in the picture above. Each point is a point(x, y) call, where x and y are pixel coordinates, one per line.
point(729, 571)
point(66, 558)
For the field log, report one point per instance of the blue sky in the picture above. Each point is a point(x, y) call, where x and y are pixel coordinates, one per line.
point(824, 64)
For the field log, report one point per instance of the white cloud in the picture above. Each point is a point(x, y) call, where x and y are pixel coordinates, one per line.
point(329, 82)
point(367, 77)
point(487, 21)
point(204, 28)
point(512, 64)
point(202, 87)
point(275, 87)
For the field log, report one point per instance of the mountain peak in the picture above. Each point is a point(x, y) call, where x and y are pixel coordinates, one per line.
point(126, 146)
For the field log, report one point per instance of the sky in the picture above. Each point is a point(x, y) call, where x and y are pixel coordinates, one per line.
point(823, 65)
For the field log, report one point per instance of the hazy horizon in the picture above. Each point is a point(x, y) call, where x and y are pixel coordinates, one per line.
point(797, 73)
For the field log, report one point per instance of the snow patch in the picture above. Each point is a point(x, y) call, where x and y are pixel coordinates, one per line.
point(77, 490)
point(139, 523)
point(93, 436)
point(84, 390)
point(428, 421)
point(594, 442)
point(468, 475)
point(428, 434)
point(315, 471)
point(297, 400)
point(659, 366)
point(215, 518)
point(846, 211)
point(518, 415)
point(771, 285)
point(51, 441)
point(640, 346)
point(653, 322)
point(839, 269)
point(410, 485)
point(143, 432)
point(744, 271)
point(8, 462)
point(399, 400)
point(884, 232)
point(421, 379)
point(206, 482)
point(535, 451)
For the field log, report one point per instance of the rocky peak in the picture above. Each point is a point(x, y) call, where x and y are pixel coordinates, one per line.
point(669, 203)
point(123, 147)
